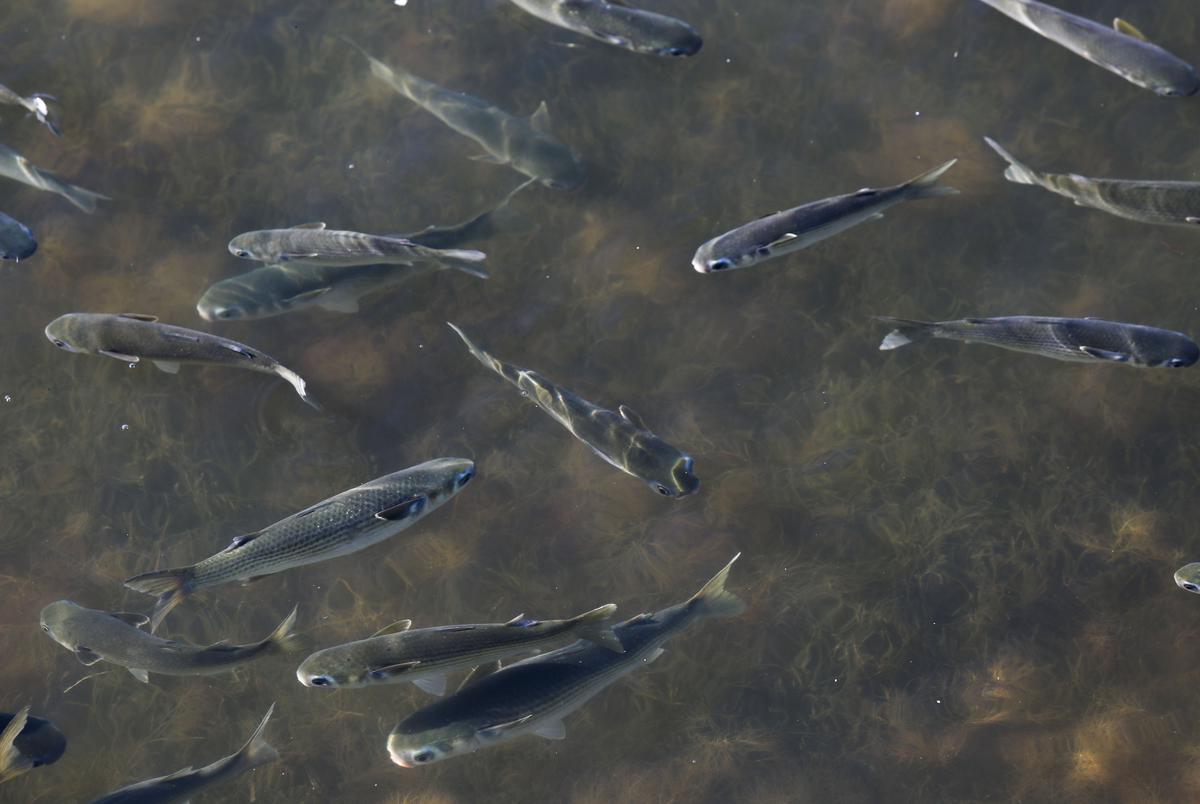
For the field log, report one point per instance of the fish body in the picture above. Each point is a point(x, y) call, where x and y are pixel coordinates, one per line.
point(1174, 203)
point(1081, 340)
point(1187, 577)
point(343, 524)
point(16, 239)
point(117, 637)
point(534, 695)
point(26, 743)
point(619, 25)
point(35, 104)
point(793, 229)
point(425, 656)
point(525, 144)
point(15, 166)
point(131, 337)
point(181, 785)
point(1121, 49)
point(313, 244)
point(621, 438)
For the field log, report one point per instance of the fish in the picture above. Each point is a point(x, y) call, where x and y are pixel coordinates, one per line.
point(533, 696)
point(1187, 577)
point(181, 785)
point(343, 524)
point(425, 656)
point(35, 104)
point(313, 244)
point(129, 337)
point(118, 638)
point(17, 241)
point(793, 229)
point(1174, 203)
point(621, 438)
point(15, 166)
point(1121, 49)
point(27, 742)
point(619, 24)
point(525, 144)
point(1081, 340)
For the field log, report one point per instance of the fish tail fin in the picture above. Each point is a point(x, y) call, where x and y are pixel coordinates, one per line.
point(463, 259)
point(508, 220)
point(297, 382)
point(713, 600)
point(467, 267)
point(396, 77)
point(84, 199)
point(12, 761)
point(926, 185)
point(283, 637)
point(1017, 171)
point(906, 331)
point(257, 751)
point(596, 626)
point(503, 369)
point(171, 586)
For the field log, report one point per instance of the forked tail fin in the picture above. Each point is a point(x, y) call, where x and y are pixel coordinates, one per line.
point(926, 186)
point(171, 586)
point(906, 331)
point(1017, 171)
point(713, 601)
point(297, 382)
point(596, 626)
point(257, 751)
point(12, 762)
point(283, 636)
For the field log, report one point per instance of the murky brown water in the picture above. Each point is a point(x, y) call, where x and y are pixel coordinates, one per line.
point(958, 560)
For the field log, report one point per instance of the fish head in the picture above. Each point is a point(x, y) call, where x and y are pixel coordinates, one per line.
point(710, 260)
point(1187, 578)
point(416, 748)
point(1170, 80)
point(665, 469)
point(639, 31)
point(1166, 350)
point(323, 670)
point(224, 301)
point(447, 477)
point(263, 246)
point(553, 165)
point(16, 240)
point(60, 620)
point(69, 332)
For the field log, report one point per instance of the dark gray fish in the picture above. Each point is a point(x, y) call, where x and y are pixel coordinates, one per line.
point(15, 166)
point(129, 337)
point(534, 695)
point(35, 104)
point(26, 743)
point(1081, 340)
point(621, 438)
point(1167, 202)
point(343, 524)
point(1121, 49)
point(619, 24)
point(181, 785)
point(791, 230)
point(16, 239)
point(117, 637)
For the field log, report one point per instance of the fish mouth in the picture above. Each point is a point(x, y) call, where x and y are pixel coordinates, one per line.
point(397, 756)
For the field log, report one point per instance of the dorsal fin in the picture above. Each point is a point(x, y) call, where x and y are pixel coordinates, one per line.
point(521, 621)
point(540, 119)
point(243, 540)
point(394, 628)
point(130, 618)
point(1121, 26)
point(631, 416)
point(138, 316)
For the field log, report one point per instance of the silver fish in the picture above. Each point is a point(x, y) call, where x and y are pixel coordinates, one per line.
point(35, 104)
point(1121, 49)
point(343, 524)
point(621, 438)
point(16, 240)
point(1187, 577)
point(525, 144)
point(1166, 202)
point(15, 166)
point(793, 229)
point(26, 743)
point(618, 24)
point(534, 695)
point(313, 244)
point(1081, 340)
point(181, 785)
point(129, 337)
point(117, 637)
point(425, 656)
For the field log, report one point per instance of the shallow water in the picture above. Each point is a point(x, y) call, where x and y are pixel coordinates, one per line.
point(958, 560)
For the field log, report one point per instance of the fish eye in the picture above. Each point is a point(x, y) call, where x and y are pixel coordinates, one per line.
point(423, 756)
point(321, 681)
point(46, 628)
point(241, 253)
point(464, 476)
point(225, 312)
point(1176, 362)
point(719, 265)
point(663, 490)
point(1191, 587)
point(60, 344)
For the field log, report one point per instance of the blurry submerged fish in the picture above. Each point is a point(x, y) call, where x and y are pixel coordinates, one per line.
point(425, 656)
point(35, 104)
point(1169, 202)
point(16, 240)
point(343, 524)
point(621, 438)
point(619, 24)
point(129, 337)
point(313, 244)
point(525, 144)
point(534, 695)
point(15, 166)
point(1121, 49)
point(26, 743)
point(117, 637)
point(1083, 340)
point(1187, 577)
point(181, 785)
point(793, 229)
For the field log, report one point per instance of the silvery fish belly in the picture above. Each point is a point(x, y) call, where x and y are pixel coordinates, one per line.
point(1121, 49)
point(343, 524)
point(533, 696)
point(619, 24)
point(1083, 340)
point(621, 438)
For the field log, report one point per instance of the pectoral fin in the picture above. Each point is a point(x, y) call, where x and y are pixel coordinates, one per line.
point(307, 296)
point(631, 416)
point(1104, 354)
point(784, 238)
point(141, 675)
point(289, 256)
point(500, 728)
point(540, 120)
point(434, 685)
point(118, 356)
point(86, 655)
point(410, 507)
point(138, 316)
point(392, 670)
point(317, 225)
point(551, 730)
point(1121, 26)
point(131, 618)
point(240, 541)
point(169, 366)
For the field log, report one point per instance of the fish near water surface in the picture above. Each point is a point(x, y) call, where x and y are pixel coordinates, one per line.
point(1080, 340)
point(118, 638)
point(534, 695)
point(800, 227)
point(15, 166)
point(1164, 202)
point(27, 742)
point(425, 656)
point(345, 523)
point(313, 244)
point(181, 785)
point(17, 241)
point(35, 104)
point(1121, 49)
point(132, 337)
point(618, 24)
point(621, 438)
